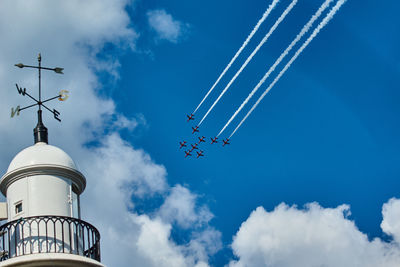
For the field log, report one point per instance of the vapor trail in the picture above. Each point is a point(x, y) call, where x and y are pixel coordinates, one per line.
point(276, 24)
point(325, 21)
point(303, 31)
point(265, 15)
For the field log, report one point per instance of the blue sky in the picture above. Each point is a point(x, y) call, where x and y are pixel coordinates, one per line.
point(326, 133)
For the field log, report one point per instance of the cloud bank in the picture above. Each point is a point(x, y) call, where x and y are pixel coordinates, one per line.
point(314, 236)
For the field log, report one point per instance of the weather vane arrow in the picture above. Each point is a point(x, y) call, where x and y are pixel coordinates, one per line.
point(40, 132)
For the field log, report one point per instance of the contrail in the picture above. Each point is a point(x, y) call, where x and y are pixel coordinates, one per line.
point(303, 31)
point(284, 14)
point(325, 21)
point(265, 15)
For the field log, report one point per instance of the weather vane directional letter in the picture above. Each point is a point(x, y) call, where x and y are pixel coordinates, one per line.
point(40, 132)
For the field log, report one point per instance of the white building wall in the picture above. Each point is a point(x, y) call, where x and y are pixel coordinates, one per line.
point(40, 195)
point(18, 193)
point(48, 195)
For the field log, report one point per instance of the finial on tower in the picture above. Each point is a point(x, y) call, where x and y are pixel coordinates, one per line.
point(40, 131)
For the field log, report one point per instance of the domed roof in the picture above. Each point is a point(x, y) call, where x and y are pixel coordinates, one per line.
point(42, 159)
point(41, 153)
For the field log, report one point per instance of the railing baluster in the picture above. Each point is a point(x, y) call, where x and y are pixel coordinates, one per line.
point(47, 236)
point(38, 237)
point(9, 242)
point(77, 239)
point(90, 246)
point(54, 238)
point(3, 242)
point(70, 237)
point(30, 234)
point(23, 241)
point(15, 239)
point(62, 236)
point(94, 244)
point(83, 240)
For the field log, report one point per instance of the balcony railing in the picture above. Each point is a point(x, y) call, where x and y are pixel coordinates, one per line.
point(49, 234)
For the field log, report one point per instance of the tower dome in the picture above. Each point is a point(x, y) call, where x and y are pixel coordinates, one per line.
point(42, 158)
point(41, 153)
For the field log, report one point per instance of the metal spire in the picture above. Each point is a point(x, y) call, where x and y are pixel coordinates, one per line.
point(40, 131)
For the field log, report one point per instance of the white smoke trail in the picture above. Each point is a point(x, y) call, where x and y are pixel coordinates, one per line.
point(303, 31)
point(325, 21)
point(284, 14)
point(265, 15)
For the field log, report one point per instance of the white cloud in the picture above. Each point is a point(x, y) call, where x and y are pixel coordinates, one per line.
point(154, 237)
point(70, 34)
point(121, 122)
point(165, 26)
point(314, 236)
point(180, 207)
point(391, 219)
point(123, 168)
point(205, 243)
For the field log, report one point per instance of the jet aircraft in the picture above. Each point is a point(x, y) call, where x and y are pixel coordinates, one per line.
point(200, 154)
point(191, 117)
point(195, 129)
point(183, 144)
point(214, 140)
point(226, 142)
point(201, 139)
point(187, 153)
point(194, 147)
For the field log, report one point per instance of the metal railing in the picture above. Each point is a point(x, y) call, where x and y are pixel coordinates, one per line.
point(49, 234)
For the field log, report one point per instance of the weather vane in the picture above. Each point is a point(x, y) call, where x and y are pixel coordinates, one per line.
point(40, 132)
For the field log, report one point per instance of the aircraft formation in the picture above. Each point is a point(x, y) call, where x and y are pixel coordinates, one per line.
point(201, 139)
point(322, 10)
point(195, 146)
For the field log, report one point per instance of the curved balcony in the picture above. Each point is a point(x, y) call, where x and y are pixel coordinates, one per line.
point(49, 234)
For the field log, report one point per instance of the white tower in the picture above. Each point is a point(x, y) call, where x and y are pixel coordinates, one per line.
point(43, 186)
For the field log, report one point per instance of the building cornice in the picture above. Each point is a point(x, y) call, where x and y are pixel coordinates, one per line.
point(75, 176)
